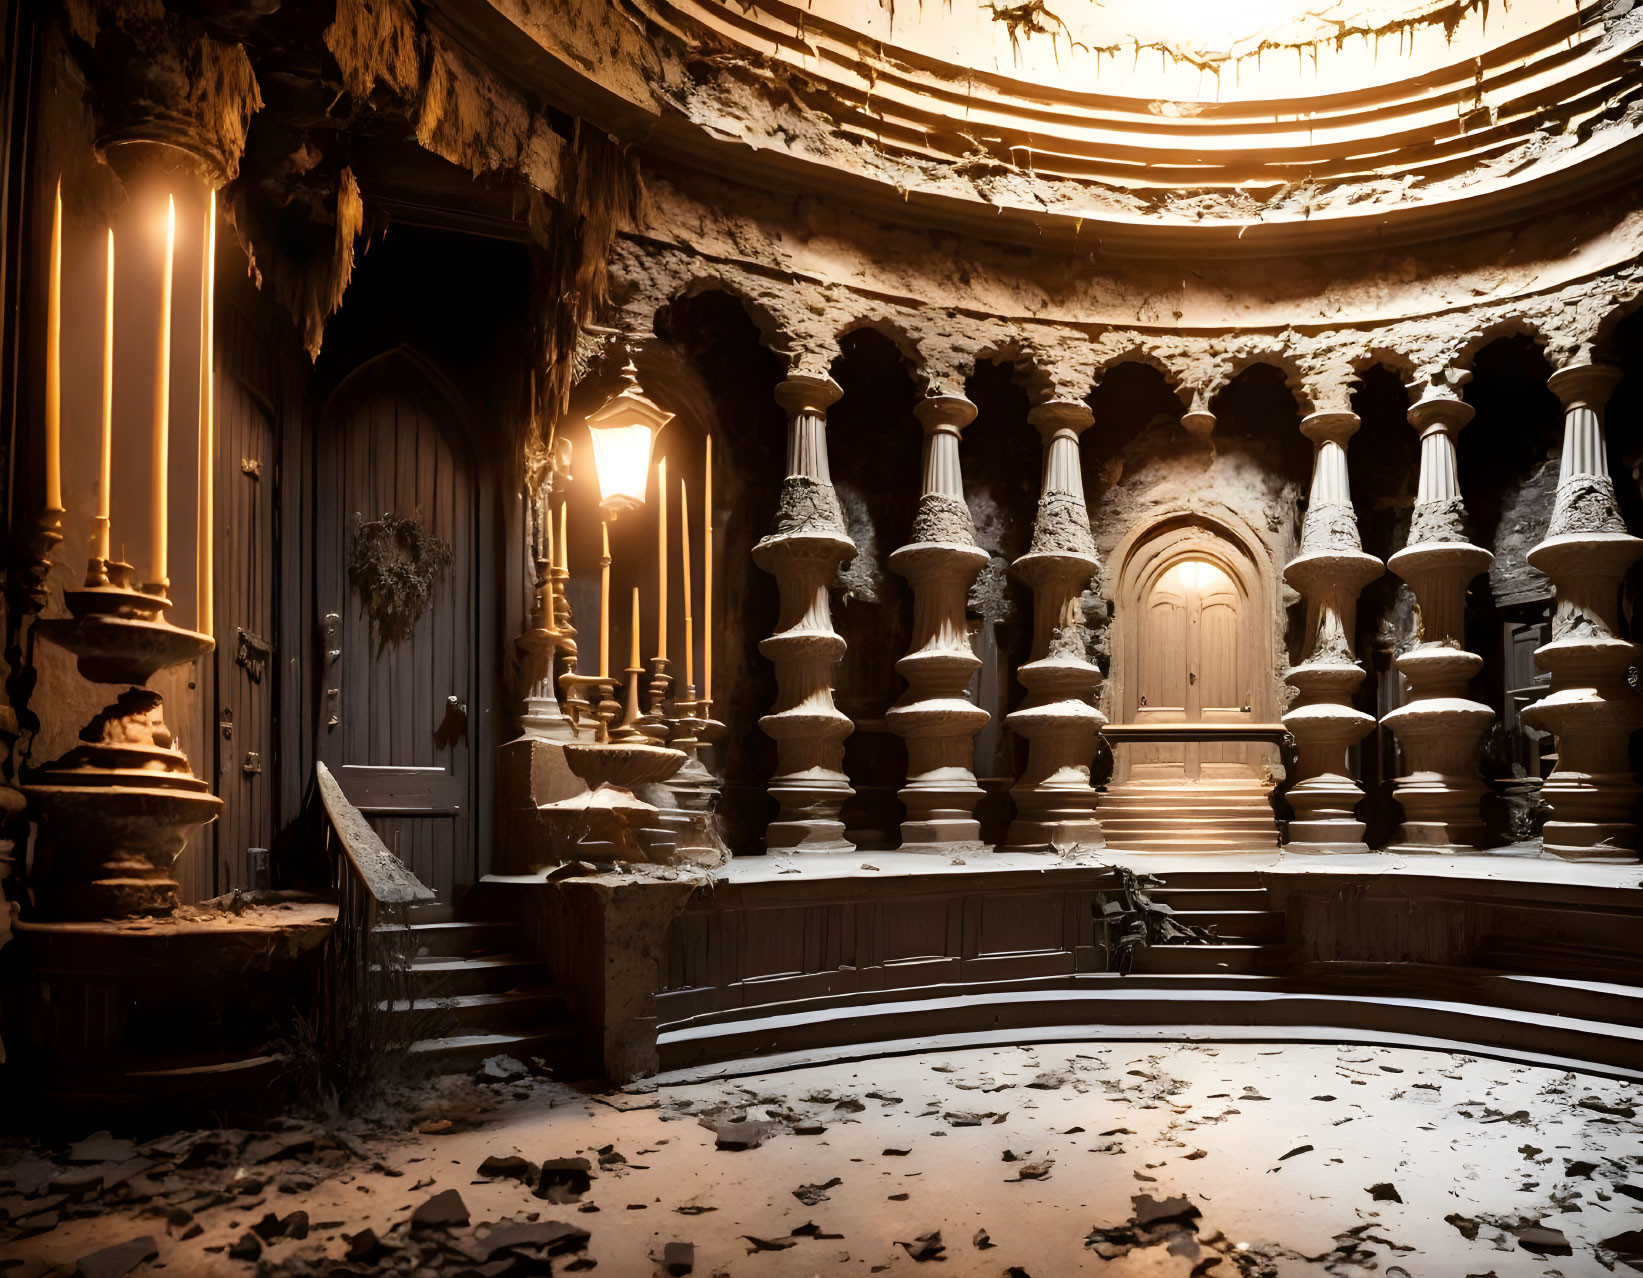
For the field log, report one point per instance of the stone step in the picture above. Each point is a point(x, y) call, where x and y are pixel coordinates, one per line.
point(453, 938)
point(1211, 898)
point(1174, 843)
point(1260, 927)
point(1101, 1006)
point(1203, 960)
point(1553, 996)
point(436, 976)
point(1191, 787)
point(536, 1010)
point(1187, 825)
point(561, 1048)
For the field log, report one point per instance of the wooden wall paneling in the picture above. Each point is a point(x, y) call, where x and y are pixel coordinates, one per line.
point(245, 661)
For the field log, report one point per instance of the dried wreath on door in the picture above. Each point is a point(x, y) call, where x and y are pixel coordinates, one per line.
point(394, 566)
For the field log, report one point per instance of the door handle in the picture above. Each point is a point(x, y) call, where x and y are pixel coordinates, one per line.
point(453, 727)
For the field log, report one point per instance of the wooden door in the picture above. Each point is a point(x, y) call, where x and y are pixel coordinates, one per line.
point(245, 597)
point(1192, 669)
point(397, 687)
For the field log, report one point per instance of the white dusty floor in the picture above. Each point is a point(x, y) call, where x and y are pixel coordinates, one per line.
point(1297, 1159)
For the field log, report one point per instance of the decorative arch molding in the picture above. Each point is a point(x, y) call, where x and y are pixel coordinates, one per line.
point(1219, 536)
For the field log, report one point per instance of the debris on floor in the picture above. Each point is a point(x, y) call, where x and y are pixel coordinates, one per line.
point(1123, 1159)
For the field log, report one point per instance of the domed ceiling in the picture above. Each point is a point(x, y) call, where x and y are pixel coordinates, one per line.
point(1167, 126)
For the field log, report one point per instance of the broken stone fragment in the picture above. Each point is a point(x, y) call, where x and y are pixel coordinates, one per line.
point(508, 1167)
point(246, 1247)
point(365, 1248)
point(810, 1229)
point(1543, 1240)
point(502, 1069)
point(564, 1180)
point(1384, 1193)
point(1628, 1246)
point(1033, 1171)
point(925, 1247)
point(679, 1258)
point(1149, 1214)
point(982, 1240)
point(120, 1259)
point(746, 1134)
point(1465, 1224)
point(272, 1226)
point(810, 1195)
point(442, 1211)
point(769, 1244)
point(100, 1147)
point(549, 1237)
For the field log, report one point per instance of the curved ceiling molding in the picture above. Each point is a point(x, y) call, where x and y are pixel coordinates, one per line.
point(1130, 125)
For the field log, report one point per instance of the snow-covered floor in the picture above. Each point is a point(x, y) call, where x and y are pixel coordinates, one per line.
point(1108, 1158)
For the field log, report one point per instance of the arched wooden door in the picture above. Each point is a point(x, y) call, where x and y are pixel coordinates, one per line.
point(398, 683)
point(1193, 666)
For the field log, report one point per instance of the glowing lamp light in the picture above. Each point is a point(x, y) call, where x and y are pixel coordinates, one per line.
point(623, 431)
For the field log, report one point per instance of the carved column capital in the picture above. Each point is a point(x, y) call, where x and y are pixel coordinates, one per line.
point(807, 392)
point(158, 77)
point(1332, 425)
point(1584, 385)
point(1439, 407)
point(951, 413)
point(1053, 416)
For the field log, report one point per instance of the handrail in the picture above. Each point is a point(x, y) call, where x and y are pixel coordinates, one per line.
point(368, 967)
point(382, 874)
point(1142, 733)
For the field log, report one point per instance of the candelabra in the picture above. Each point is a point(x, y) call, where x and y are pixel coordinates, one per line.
point(117, 809)
point(609, 822)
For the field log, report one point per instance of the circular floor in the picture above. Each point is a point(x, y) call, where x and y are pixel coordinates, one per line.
point(1056, 1159)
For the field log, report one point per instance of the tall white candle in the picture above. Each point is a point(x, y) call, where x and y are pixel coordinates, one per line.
point(54, 359)
point(105, 459)
point(661, 557)
point(707, 576)
point(604, 603)
point(684, 555)
point(157, 576)
point(205, 508)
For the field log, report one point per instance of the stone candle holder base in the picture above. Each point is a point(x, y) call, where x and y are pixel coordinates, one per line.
point(610, 822)
point(116, 811)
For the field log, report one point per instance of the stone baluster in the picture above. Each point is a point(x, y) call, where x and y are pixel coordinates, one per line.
point(804, 552)
point(1055, 802)
point(1440, 728)
point(1329, 571)
point(935, 716)
point(1590, 708)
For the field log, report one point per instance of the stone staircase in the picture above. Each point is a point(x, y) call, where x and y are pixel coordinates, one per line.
point(1196, 816)
point(475, 994)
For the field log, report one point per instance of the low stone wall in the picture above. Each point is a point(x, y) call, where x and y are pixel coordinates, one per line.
point(1525, 957)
